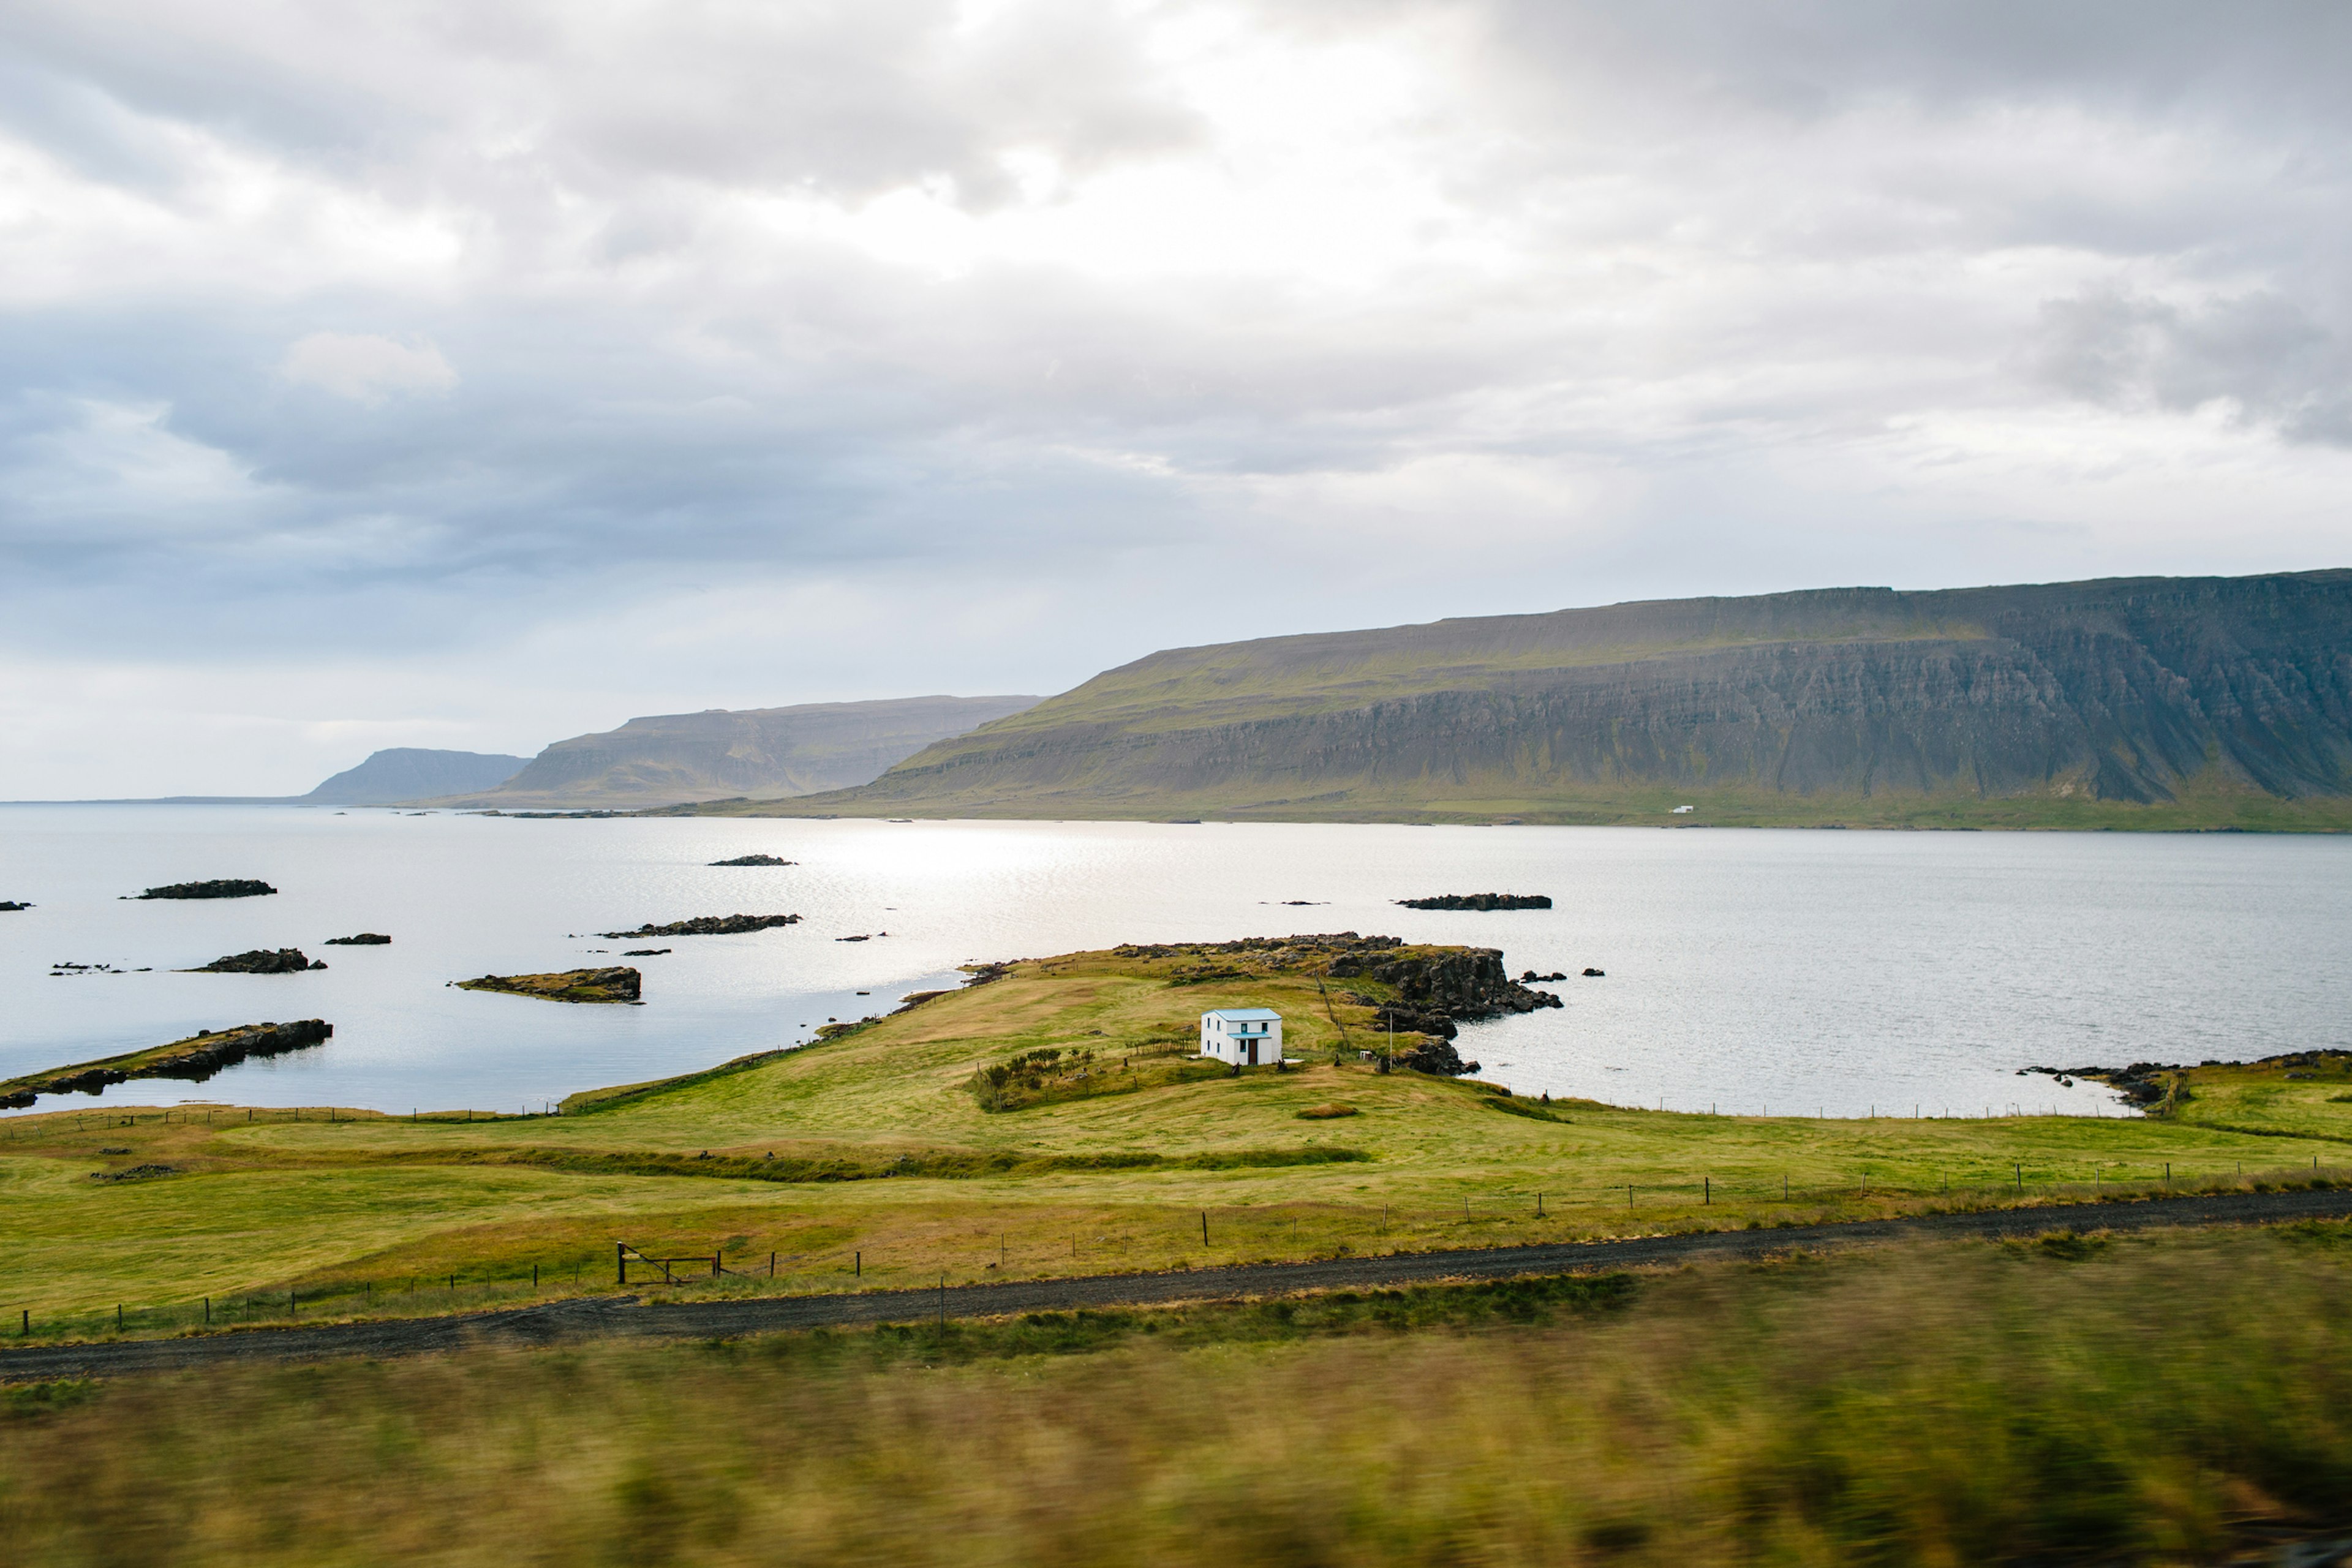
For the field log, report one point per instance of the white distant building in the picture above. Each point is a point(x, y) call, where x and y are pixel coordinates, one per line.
point(1246, 1037)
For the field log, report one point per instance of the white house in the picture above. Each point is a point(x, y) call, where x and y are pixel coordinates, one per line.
point(1247, 1036)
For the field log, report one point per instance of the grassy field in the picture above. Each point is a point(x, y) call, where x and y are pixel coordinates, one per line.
point(2163, 1399)
point(2217, 811)
point(878, 1158)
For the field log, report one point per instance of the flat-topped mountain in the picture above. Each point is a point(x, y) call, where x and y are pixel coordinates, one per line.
point(765, 752)
point(2142, 701)
point(415, 773)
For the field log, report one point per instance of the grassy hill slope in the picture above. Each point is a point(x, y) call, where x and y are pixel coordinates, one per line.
point(2131, 703)
point(876, 1159)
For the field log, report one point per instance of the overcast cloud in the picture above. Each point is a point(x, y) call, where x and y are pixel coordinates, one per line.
point(476, 373)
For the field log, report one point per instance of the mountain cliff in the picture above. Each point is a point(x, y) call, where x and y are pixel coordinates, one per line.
point(2146, 702)
point(409, 773)
point(767, 753)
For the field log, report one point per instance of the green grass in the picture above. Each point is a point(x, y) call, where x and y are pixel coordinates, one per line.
point(2071, 1399)
point(1505, 801)
point(875, 1143)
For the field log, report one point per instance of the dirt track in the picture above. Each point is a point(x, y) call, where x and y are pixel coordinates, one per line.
point(616, 1317)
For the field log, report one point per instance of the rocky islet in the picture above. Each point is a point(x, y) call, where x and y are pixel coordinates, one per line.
point(260, 960)
point(707, 925)
point(618, 984)
point(219, 888)
point(1481, 901)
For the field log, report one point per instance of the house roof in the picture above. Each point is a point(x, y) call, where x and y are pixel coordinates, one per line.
point(1238, 1014)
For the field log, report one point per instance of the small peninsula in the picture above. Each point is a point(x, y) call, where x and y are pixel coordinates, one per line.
point(194, 1058)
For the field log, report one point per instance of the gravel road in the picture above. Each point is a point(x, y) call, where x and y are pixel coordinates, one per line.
point(631, 1316)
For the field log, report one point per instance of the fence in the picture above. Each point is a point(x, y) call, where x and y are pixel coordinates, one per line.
point(1149, 1240)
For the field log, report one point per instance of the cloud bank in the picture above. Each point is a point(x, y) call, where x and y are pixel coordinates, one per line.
point(476, 375)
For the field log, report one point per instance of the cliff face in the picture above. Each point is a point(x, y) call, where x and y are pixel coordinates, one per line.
point(764, 752)
point(2128, 691)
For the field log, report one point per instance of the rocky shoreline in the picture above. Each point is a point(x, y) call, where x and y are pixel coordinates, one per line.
point(193, 1059)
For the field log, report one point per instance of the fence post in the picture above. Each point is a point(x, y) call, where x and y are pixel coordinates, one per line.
point(1204, 1227)
point(714, 1263)
point(208, 1311)
point(620, 1262)
point(534, 1276)
point(1706, 1189)
point(771, 1265)
point(118, 1316)
point(857, 1266)
point(293, 1310)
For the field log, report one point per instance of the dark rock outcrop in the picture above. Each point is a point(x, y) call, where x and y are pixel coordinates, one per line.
point(1433, 990)
point(707, 925)
point(193, 1059)
point(224, 887)
point(755, 860)
point(260, 960)
point(1480, 902)
point(11, 904)
point(365, 939)
point(1462, 982)
point(1532, 977)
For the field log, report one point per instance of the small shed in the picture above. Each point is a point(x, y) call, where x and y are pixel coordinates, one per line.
point(1246, 1037)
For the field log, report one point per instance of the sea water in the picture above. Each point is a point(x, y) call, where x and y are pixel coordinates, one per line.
point(1789, 972)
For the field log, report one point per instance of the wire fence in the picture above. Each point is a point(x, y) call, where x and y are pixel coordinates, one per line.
point(1204, 1236)
point(47, 1123)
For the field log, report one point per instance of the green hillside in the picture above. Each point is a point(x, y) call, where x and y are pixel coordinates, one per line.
point(2171, 704)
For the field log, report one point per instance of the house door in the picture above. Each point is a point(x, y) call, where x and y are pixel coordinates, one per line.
point(1252, 1050)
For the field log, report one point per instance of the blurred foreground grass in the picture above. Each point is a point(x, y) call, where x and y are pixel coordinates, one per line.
point(2074, 1398)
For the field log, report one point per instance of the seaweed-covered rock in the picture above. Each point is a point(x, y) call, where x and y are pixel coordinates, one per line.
point(224, 887)
point(365, 939)
point(707, 925)
point(755, 860)
point(260, 960)
point(619, 983)
point(1480, 902)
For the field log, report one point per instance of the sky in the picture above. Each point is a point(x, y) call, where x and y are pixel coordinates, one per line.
point(473, 373)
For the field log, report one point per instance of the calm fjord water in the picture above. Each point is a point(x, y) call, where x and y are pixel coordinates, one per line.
point(1793, 971)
